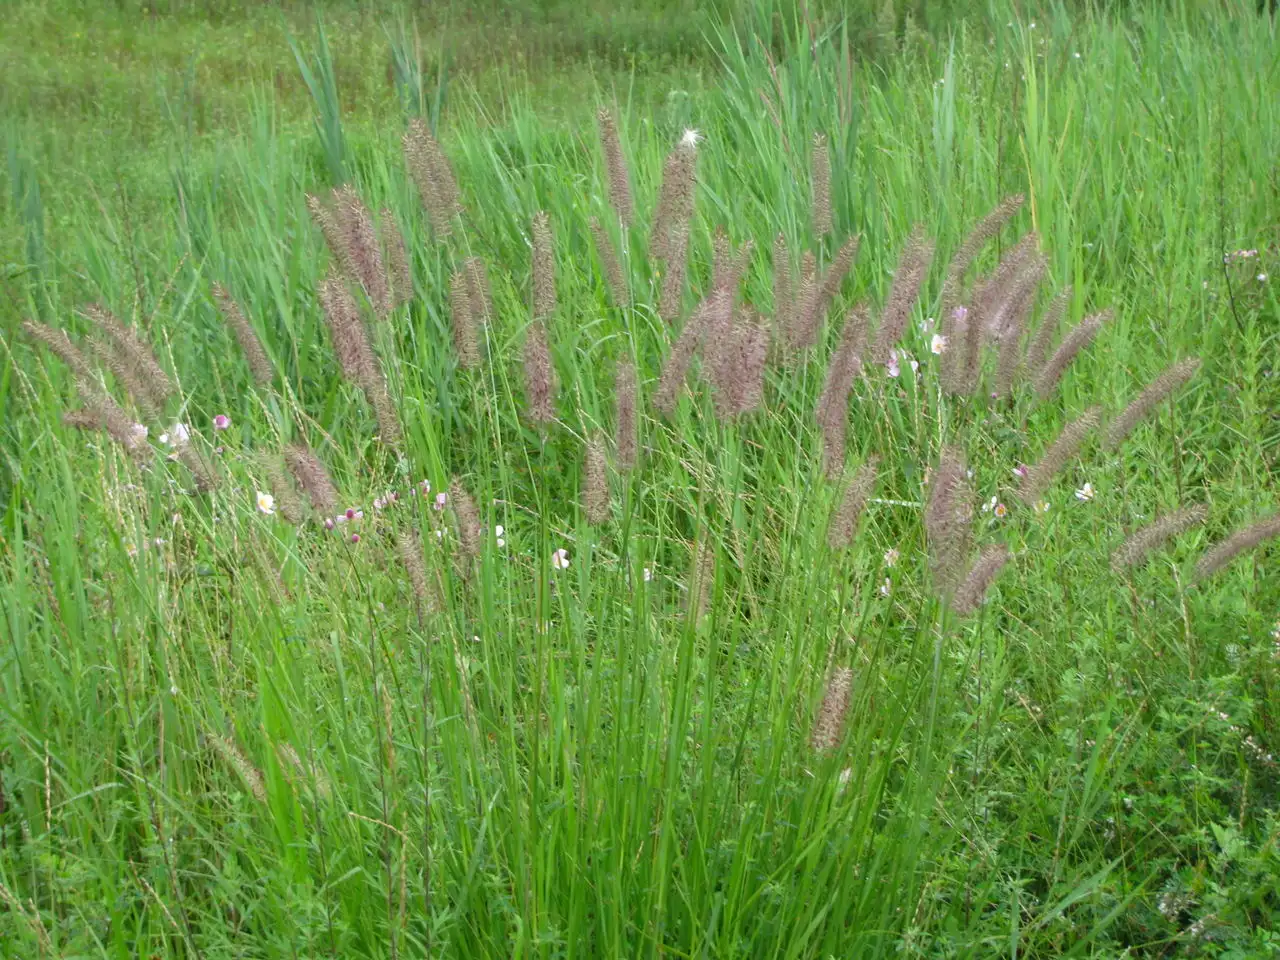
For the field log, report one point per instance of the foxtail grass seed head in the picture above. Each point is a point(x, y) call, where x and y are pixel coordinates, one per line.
point(783, 286)
point(111, 418)
point(301, 772)
point(466, 340)
point(615, 166)
point(675, 200)
point(1045, 334)
point(1139, 544)
point(713, 314)
point(540, 381)
point(1221, 554)
point(821, 174)
point(610, 268)
point(833, 404)
point(287, 502)
point(828, 726)
point(333, 230)
point(313, 478)
point(432, 175)
point(544, 267)
point(399, 273)
point(1013, 325)
point(671, 293)
point(384, 410)
point(59, 344)
point(363, 251)
point(973, 589)
point(135, 354)
point(736, 365)
point(84, 419)
point(978, 237)
point(626, 439)
point(347, 331)
point(1075, 341)
point(1064, 449)
point(259, 365)
point(479, 293)
point(467, 519)
point(848, 513)
point(702, 580)
point(234, 758)
point(994, 292)
point(913, 267)
point(595, 493)
point(817, 295)
point(947, 520)
point(126, 375)
point(1159, 390)
point(409, 546)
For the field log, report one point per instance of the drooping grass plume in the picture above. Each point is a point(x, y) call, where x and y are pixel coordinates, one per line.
point(1046, 333)
point(399, 271)
point(947, 520)
point(609, 265)
point(828, 726)
point(625, 398)
point(466, 519)
point(312, 477)
point(973, 589)
point(615, 166)
point(540, 381)
point(1080, 337)
point(816, 295)
point(1160, 389)
point(1139, 544)
point(735, 363)
point(848, 513)
point(409, 546)
point(466, 340)
point(675, 202)
point(833, 403)
point(125, 374)
point(1013, 325)
point(1063, 449)
point(913, 267)
point(432, 175)
point(259, 365)
point(203, 470)
point(355, 353)
point(134, 354)
point(595, 483)
point(990, 306)
point(820, 162)
point(1245, 539)
point(479, 293)
point(544, 267)
point(60, 345)
point(288, 504)
point(783, 287)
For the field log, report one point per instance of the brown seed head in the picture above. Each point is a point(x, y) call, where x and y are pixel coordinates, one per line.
point(134, 354)
point(844, 522)
point(625, 391)
point(540, 381)
point(433, 177)
point(595, 493)
point(58, 343)
point(828, 727)
point(1139, 544)
point(1075, 341)
point(313, 478)
point(1160, 389)
point(466, 340)
point(544, 267)
point(609, 265)
point(821, 170)
point(399, 273)
point(467, 519)
point(615, 165)
point(913, 267)
point(1222, 553)
point(1037, 479)
point(973, 589)
point(259, 365)
point(947, 520)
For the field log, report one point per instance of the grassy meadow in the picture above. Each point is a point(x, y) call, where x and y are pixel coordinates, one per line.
point(615, 574)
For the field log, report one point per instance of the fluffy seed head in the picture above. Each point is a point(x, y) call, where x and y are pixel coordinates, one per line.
point(540, 381)
point(347, 331)
point(433, 177)
point(1140, 543)
point(913, 267)
point(1012, 323)
point(1037, 478)
point(671, 293)
point(947, 520)
point(259, 365)
point(399, 273)
point(844, 522)
point(1075, 341)
point(816, 296)
point(462, 317)
point(362, 251)
point(615, 166)
point(828, 727)
point(313, 478)
point(1047, 331)
point(544, 267)
point(234, 758)
point(1160, 389)
point(821, 169)
point(467, 519)
point(595, 492)
point(108, 416)
point(609, 265)
point(59, 344)
point(134, 354)
point(282, 488)
point(713, 314)
point(1222, 553)
point(625, 391)
point(735, 361)
point(675, 200)
point(783, 284)
point(409, 546)
point(478, 291)
point(973, 589)
point(833, 404)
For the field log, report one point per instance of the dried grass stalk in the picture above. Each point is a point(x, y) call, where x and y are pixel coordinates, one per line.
point(1037, 478)
point(1139, 544)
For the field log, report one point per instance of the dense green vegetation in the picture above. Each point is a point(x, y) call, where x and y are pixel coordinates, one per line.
point(614, 729)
